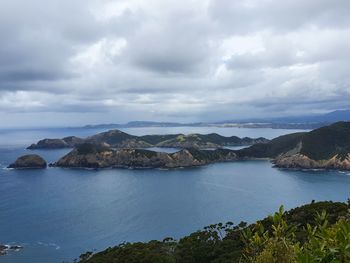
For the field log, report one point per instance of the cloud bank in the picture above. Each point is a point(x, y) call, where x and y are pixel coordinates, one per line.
point(77, 62)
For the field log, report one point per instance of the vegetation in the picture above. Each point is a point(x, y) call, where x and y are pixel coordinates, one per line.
point(211, 155)
point(319, 144)
point(211, 140)
point(89, 148)
point(119, 139)
point(317, 232)
point(112, 137)
point(325, 142)
point(155, 139)
point(273, 148)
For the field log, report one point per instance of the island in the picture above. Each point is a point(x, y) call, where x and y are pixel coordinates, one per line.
point(324, 148)
point(90, 155)
point(29, 161)
point(119, 139)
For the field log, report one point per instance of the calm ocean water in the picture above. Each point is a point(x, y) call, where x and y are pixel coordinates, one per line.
point(57, 214)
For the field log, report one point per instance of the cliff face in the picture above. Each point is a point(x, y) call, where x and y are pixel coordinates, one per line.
point(137, 158)
point(304, 162)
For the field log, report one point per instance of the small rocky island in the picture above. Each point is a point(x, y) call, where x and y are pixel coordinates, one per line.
point(4, 249)
point(119, 139)
point(89, 155)
point(29, 161)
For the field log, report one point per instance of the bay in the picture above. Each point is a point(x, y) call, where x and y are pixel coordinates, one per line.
point(57, 214)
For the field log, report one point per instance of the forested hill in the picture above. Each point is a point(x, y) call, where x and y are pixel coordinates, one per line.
point(317, 232)
point(321, 143)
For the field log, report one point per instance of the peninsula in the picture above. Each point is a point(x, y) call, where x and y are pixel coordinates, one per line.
point(323, 148)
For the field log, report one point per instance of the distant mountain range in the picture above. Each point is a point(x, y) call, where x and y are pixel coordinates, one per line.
point(331, 117)
point(295, 122)
point(139, 124)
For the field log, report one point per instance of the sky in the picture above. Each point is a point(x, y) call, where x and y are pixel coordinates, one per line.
point(77, 62)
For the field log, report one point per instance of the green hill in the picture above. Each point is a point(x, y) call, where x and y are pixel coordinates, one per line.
point(119, 139)
point(325, 142)
point(319, 144)
point(317, 232)
point(273, 148)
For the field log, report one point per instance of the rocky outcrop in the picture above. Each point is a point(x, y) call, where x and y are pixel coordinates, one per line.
point(119, 139)
point(30, 161)
point(92, 156)
point(4, 249)
point(304, 162)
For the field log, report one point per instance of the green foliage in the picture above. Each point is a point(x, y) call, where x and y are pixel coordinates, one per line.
point(327, 243)
point(211, 245)
point(276, 245)
point(151, 252)
point(317, 232)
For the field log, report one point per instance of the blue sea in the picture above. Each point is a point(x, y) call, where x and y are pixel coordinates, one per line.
point(57, 214)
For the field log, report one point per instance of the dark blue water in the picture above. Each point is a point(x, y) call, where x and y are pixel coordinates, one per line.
point(59, 213)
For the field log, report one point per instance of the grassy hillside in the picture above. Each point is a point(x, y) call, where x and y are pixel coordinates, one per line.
point(273, 148)
point(319, 144)
point(325, 142)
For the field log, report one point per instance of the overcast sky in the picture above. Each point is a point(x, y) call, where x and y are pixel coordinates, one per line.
point(75, 62)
